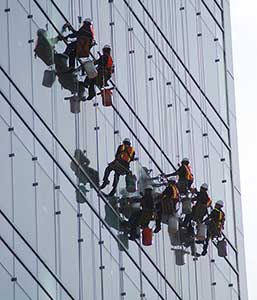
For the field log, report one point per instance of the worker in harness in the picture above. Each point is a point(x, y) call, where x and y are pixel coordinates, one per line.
point(200, 209)
point(215, 224)
point(124, 155)
point(185, 175)
point(84, 41)
point(167, 203)
point(143, 216)
point(104, 68)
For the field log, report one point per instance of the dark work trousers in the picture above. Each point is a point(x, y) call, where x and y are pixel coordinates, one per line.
point(71, 52)
point(134, 222)
point(198, 213)
point(100, 81)
point(113, 167)
point(212, 233)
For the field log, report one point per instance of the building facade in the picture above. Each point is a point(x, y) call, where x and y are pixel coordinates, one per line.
point(174, 97)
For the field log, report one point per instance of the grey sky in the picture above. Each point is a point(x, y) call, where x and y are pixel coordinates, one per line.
point(244, 31)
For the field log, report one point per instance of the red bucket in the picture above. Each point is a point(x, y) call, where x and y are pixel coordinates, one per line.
point(147, 236)
point(106, 97)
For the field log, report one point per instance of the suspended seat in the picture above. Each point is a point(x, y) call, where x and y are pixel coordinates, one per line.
point(119, 167)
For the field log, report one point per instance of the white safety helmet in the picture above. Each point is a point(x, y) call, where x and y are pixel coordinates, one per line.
point(185, 159)
point(88, 20)
point(220, 203)
point(107, 46)
point(149, 187)
point(126, 141)
point(204, 186)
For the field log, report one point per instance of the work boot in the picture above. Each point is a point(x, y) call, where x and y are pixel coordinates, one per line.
point(86, 82)
point(133, 235)
point(91, 91)
point(157, 228)
point(196, 254)
point(105, 183)
point(91, 95)
point(204, 252)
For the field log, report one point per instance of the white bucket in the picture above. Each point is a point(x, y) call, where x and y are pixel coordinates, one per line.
point(173, 224)
point(90, 68)
point(201, 232)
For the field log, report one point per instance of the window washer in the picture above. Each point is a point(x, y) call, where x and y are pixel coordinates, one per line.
point(185, 175)
point(104, 68)
point(202, 202)
point(167, 204)
point(215, 224)
point(144, 215)
point(124, 155)
point(84, 41)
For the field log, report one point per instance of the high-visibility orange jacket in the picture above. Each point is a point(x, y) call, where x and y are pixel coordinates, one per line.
point(171, 192)
point(126, 153)
point(218, 217)
point(104, 62)
point(184, 172)
point(189, 174)
point(202, 197)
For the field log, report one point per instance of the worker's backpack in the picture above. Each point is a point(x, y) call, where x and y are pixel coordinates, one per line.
point(44, 50)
